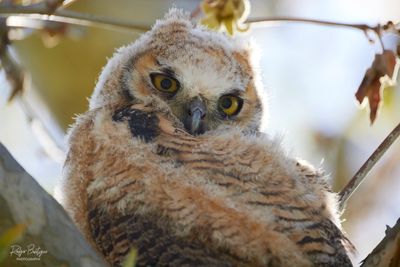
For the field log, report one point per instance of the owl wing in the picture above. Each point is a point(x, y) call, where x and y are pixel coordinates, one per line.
point(115, 234)
point(334, 238)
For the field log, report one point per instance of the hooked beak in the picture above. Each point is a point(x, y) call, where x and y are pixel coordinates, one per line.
point(195, 115)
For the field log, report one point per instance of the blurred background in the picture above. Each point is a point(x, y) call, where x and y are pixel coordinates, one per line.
point(310, 74)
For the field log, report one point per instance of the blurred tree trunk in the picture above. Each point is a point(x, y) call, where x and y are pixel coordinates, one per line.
point(47, 236)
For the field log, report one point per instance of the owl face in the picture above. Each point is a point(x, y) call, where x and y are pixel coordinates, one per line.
point(205, 78)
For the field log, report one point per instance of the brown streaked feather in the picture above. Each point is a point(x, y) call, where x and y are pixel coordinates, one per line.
point(230, 197)
point(250, 232)
point(157, 245)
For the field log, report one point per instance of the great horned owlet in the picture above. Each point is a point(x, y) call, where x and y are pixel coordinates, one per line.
point(169, 160)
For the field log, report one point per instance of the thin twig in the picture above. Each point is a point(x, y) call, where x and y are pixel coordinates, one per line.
point(367, 166)
point(84, 19)
point(13, 72)
point(378, 31)
point(363, 27)
point(53, 5)
point(64, 15)
point(264, 21)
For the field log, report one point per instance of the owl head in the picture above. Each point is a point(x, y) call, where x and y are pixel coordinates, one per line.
point(204, 78)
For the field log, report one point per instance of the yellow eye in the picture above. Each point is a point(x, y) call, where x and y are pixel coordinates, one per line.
point(230, 104)
point(164, 83)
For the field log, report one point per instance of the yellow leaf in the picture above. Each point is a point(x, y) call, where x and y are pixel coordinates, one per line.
point(243, 27)
point(206, 7)
point(211, 22)
point(228, 9)
point(11, 236)
point(130, 259)
point(228, 23)
point(227, 13)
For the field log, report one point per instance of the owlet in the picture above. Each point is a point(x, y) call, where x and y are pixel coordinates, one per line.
point(169, 160)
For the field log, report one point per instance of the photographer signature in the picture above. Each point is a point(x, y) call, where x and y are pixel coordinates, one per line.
point(30, 252)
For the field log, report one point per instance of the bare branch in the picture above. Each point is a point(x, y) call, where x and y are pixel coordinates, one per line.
point(63, 15)
point(367, 166)
point(41, 11)
point(14, 74)
point(387, 252)
point(274, 20)
point(52, 5)
point(378, 29)
point(48, 227)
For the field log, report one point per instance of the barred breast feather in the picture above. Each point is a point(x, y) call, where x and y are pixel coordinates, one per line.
point(225, 198)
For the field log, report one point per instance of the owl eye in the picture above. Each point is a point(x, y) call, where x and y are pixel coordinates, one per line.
point(164, 83)
point(230, 104)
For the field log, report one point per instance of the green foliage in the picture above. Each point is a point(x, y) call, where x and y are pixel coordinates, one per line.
point(11, 236)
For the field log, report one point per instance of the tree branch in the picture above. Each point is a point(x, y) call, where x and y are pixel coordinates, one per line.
point(387, 252)
point(272, 20)
point(378, 29)
point(14, 74)
point(49, 228)
point(63, 15)
point(41, 11)
point(367, 166)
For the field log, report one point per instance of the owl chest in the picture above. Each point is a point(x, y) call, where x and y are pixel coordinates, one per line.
point(144, 175)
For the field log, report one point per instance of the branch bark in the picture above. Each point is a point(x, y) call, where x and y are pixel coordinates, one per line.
point(14, 74)
point(271, 20)
point(41, 11)
point(367, 166)
point(24, 202)
point(387, 252)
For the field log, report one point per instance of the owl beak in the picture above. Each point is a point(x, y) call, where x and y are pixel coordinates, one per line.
point(195, 115)
point(196, 118)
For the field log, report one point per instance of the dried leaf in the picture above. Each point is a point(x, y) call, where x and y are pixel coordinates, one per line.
point(371, 86)
point(391, 27)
